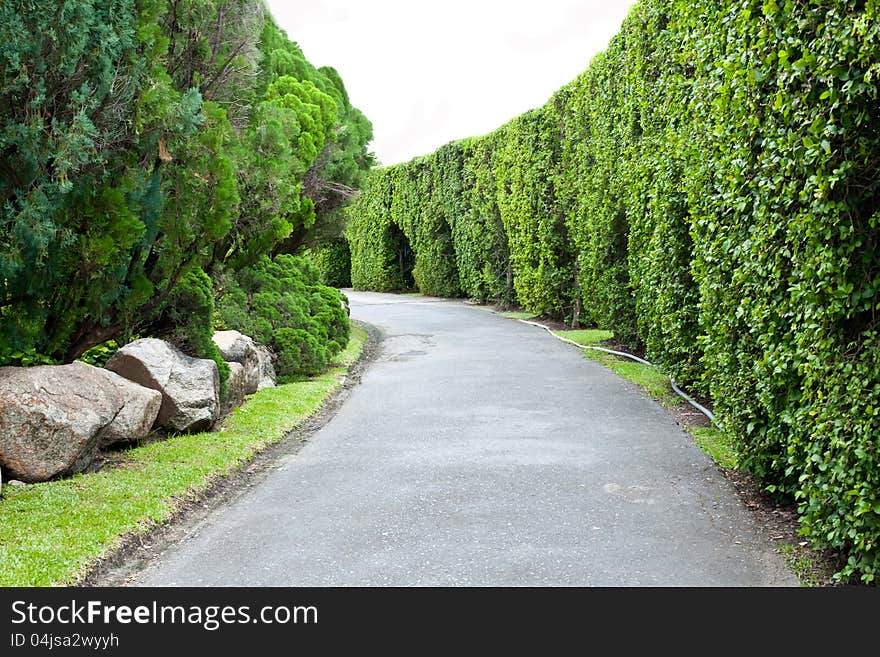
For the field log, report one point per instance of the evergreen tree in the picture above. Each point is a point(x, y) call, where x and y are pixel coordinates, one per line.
point(144, 143)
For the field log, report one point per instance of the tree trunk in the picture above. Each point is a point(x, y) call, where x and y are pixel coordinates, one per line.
point(87, 337)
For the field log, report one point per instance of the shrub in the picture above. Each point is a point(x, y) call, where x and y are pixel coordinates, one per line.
point(281, 303)
point(98, 355)
point(333, 261)
point(146, 140)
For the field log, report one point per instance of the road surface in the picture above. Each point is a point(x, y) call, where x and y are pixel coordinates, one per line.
point(478, 450)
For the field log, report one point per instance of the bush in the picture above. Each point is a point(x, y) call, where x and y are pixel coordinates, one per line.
point(280, 303)
point(333, 261)
point(120, 176)
point(98, 355)
point(299, 352)
point(146, 140)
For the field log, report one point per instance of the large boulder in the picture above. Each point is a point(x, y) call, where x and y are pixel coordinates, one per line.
point(236, 347)
point(235, 387)
point(267, 370)
point(140, 408)
point(190, 387)
point(52, 418)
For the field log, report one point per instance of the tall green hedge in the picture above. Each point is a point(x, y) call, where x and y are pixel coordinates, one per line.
point(540, 253)
point(480, 240)
point(375, 255)
point(708, 189)
point(150, 150)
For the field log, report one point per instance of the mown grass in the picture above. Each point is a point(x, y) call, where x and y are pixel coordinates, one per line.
point(586, 336)
point(718, 445)
point(514, 314)
point(51, 533)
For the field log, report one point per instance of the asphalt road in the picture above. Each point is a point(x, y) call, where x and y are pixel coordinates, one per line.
point(478, 450)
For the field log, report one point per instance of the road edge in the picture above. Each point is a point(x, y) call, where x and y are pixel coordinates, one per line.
point(136, 550)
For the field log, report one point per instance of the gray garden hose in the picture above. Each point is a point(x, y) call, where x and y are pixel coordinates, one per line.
point(705, 411)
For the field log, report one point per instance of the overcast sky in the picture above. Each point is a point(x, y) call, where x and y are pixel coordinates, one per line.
point(428, 73)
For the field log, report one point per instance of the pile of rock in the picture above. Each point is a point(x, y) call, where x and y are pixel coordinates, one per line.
point(54, 419)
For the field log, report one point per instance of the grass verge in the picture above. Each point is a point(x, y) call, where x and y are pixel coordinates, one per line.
point(51, 533)
point(513, 314)
point(718, 445)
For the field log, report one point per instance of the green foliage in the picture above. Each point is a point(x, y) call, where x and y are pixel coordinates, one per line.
point(787, 259)
point(64, 115)
point(98, 355)
point(299, 352)
point(147, 148)
point(23, 358)
point(286, 132)
point(481, 249)
point(333, 261)
point(335, 144)
point(424, 228)
point(281, 303)
point(100, 241)
point(537, 238)
point(708, 190)
point(379, 250)
point(214, 47)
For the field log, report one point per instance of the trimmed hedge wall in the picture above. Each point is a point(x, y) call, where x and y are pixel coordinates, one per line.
point(333, 261)
point(708, 189)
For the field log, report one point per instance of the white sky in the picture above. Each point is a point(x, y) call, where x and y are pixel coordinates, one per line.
point(429, 73)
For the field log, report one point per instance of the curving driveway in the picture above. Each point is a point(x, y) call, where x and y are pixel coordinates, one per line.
point(478, 450)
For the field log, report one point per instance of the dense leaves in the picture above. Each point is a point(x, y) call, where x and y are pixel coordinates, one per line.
point(333, 261)
point(149, 150)
point(281, 303)
point(708, 189)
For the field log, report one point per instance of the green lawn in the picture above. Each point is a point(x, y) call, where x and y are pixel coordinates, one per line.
point(718, 445)
point(513, 314)
point(586, 336)
point(51, 533)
